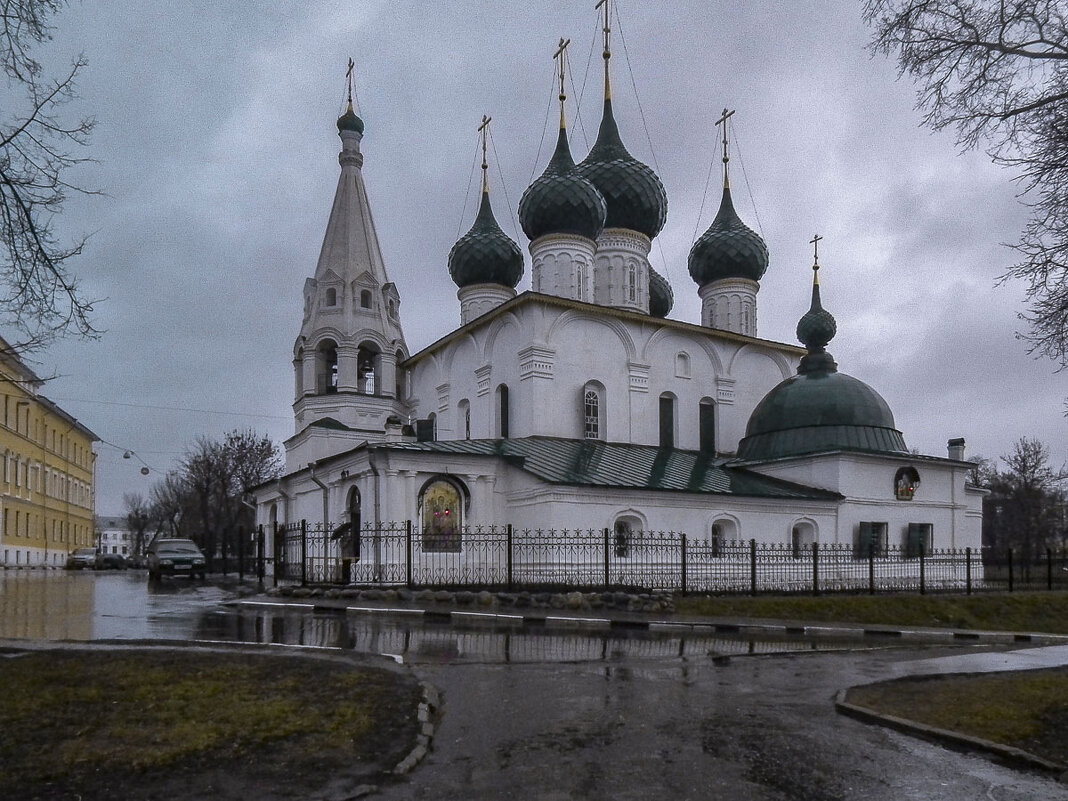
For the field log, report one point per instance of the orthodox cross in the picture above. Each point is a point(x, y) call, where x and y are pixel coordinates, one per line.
point(815, 242)
point(483, 129)
point(726, 155)
point(607, 41)
point(559, 56)
point(348, 78)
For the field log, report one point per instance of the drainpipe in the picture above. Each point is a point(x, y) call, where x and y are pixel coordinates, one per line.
point(372, 462)
point(326, 494)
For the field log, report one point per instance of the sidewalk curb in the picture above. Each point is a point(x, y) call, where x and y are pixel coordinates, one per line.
point(712, 625)
point(1016, 756)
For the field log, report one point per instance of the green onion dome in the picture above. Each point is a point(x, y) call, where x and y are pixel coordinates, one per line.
point(634, 195)
point(661, 298)
point(560, 201)
point(728, 249)
point(349, 121)
point(485, 254)
point(819, 409)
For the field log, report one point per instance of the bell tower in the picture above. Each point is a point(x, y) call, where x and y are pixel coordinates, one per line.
point(346, 378)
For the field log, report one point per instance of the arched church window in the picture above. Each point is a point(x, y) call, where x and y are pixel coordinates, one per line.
point(365, 299)
point(621, 539)
point(367, 364)
point(326, 358)
point(715, 540)
point(802, 537)
point(441, 516)
point(400, 375)
point(630, 281)
point(707, 426)
point(591, 407)
point(906, 480)
point(667, 420)
point(331, 296)
point(464, 408)
point(503, 411)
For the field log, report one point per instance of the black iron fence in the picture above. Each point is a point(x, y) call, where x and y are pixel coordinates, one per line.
point(510, 559)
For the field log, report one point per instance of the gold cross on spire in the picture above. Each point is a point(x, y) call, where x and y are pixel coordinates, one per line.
point(607, 43)
point(560, 55)
point(348, 79)
point(726, 153)
point(483, 129)
point(815, 242)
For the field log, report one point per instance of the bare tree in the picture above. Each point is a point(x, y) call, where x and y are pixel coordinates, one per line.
point(996, 71)
point(40, 298)
point(138, 520)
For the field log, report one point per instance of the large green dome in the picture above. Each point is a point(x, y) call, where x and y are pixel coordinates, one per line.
point(819, 409)
point(560, 201)
point(728, 249)
point(661, 298)
point(485, 254)
point(633, 193)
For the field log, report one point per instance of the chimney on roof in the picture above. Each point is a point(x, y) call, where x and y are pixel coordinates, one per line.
point(956, 449)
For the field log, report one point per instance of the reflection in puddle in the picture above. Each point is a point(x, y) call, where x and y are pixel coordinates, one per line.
point(435, 643)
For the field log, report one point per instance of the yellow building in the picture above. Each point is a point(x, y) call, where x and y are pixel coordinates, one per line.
point(46, 473)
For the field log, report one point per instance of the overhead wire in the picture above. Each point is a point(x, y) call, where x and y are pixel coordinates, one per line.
point(504, 188)
point(467, 195)
point(544, 127)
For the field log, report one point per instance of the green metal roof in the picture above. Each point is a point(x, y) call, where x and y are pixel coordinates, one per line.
point(621, 466)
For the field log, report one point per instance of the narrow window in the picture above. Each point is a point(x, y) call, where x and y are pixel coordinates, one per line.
point(707, 425)
point(871, 540)
point(331, 297)
point(667, 421)
point(592, 415)
point(918, 540)
point(365, 299)
point(502, 411)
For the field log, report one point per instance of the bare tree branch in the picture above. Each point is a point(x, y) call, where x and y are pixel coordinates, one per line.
point(40, 299)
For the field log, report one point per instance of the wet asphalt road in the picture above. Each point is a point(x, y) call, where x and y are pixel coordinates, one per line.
point(760, 728)
point(552, 716)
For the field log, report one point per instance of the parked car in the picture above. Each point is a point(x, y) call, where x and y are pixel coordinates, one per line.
point(175, 557)
point(81, 557)
point(109, 561)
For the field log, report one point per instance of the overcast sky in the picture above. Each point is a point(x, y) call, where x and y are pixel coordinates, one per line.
point(217, 150)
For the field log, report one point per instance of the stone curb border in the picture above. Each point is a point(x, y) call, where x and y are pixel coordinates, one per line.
point(1014, 755)
point(732, 627)
point(428, 714)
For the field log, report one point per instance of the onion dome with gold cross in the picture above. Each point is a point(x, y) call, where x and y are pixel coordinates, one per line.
point(661, 298)
point(560, 201)
point(819, 409)
point(485, 254)
point(350, 121)
point(634, 196)
point(728, 249)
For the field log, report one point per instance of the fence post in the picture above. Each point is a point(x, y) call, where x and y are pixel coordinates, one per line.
point(606, 546)
point(1049, 568)
point(923, 587)
point(871, 569)
point(682, 545)
point(1010, 569)
point(259, 555)
point(240, 554)
point(968, 570)
point(303, 552)
point(752, 568)
point(408, 554)
point(276, 546)
point(815, 568)
point(509, 533)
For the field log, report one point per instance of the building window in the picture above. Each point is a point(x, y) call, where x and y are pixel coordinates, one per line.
point(331, 297)
point(707, 426)
point(667, 420)
point(503, 412)
point(365, 299)
point(871, 540)
point(802, 537)
point(426, 429)
point(367, 362)
point(441, 512)
point(630, 282)
point(919, 539)
point(464, 408)
point(326, 358)
point(621, 539)
point(715, 541)
point(592, 415)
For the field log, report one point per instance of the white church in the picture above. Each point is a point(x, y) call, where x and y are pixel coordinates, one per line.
point(580, 404)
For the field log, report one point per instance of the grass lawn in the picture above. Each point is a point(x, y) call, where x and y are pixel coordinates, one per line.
point(1026, 709)
point(104, 724)
point(1031, 611)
